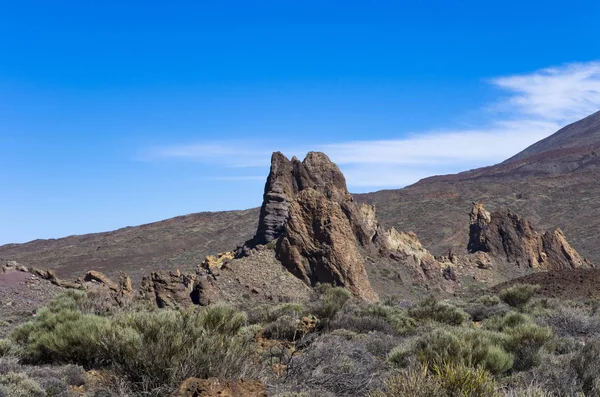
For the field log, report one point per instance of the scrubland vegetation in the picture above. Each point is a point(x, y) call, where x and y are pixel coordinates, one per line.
point(513, 344)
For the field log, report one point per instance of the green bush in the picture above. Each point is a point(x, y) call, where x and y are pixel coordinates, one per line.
point(488, 300)
point(9, 348)
point(152, 349)
point(400, 319)
point(524, 339)
point(411, 383)
point(525, 342)
point(333, 299)
point(441, 312)
point(399, 355)
point(450, 380)
point(61, 334)
point(462, 380)
point(462, 346)
point(586, 364)
point(506, 322)
point(165, 347)
point(365, 318)
point(518, 295)
point(19, 385)
point(284, 328)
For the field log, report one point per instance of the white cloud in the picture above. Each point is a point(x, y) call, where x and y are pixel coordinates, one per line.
point(561, 94)
point(538, 104)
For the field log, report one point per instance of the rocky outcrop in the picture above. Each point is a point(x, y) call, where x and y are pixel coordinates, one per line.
point(407, 247)
point(503, 236)
point(321, 235)
point(217, 261)
point(318, 226)
point(101, 278)
point(319, 245)
point(559, 255)
point(170, 290)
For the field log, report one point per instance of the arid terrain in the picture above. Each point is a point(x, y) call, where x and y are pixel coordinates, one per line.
point(324, 293)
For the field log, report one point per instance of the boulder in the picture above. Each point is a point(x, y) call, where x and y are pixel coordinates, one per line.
point(100, 278)
point(168, 290)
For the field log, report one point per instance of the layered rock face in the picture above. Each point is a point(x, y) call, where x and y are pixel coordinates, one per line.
point(318, 226)
point(505, 236)
point(322, 234)
point(406, 247)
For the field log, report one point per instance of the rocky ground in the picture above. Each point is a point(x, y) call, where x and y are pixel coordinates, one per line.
point(21, 294)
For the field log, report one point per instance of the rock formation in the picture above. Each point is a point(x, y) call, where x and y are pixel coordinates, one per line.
point(101, 278)
point(321, 234)
point(505, 236)
point(169, 290)
point(318, 226)
point(407, 247)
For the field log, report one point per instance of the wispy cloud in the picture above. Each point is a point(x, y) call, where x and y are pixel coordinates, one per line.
point(536, 105)
point(560, 94)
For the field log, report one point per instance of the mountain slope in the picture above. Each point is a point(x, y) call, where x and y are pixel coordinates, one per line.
point(581, 134)
point(180, 242)
point(553, 183)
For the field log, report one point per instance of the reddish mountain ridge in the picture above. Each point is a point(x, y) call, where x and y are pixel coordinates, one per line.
point(553, 183)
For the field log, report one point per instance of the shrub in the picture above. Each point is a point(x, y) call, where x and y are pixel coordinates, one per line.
point(525, 342)
point(62, 335)
point(152, 349)
point(441, 312)
point(555, 374)
point(284, 328)
point(9, 348)
point(485, 307)
point(399, 355)
point(446, 380)
point(572, 322)
point(518, 295)
point(19, 385)
point(461, 380)
point(464, 347)
point(523, 338)
point(488, 300)
point(165, 347)
point(338, 364)
point(411, 383)
point(220, 319)
point(586, 364)
point(508, 321)
point(364, 318)
point(333, 300)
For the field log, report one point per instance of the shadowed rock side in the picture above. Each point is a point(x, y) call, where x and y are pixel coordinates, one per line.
point(321, 234)
point(506, 237)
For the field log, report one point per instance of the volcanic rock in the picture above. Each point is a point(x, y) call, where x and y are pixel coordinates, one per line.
point(318, 226)
point(98, 277)
point(322, 235)
point(507, 237)
point(168, 290)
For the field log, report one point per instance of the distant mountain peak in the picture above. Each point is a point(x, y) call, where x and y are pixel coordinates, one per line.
point(582, 134)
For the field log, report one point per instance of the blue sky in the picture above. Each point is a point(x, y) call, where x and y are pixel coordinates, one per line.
point(117, 113)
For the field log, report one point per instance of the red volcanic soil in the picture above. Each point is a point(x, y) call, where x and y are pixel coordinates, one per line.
point(21, 294)
point(572, 284)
